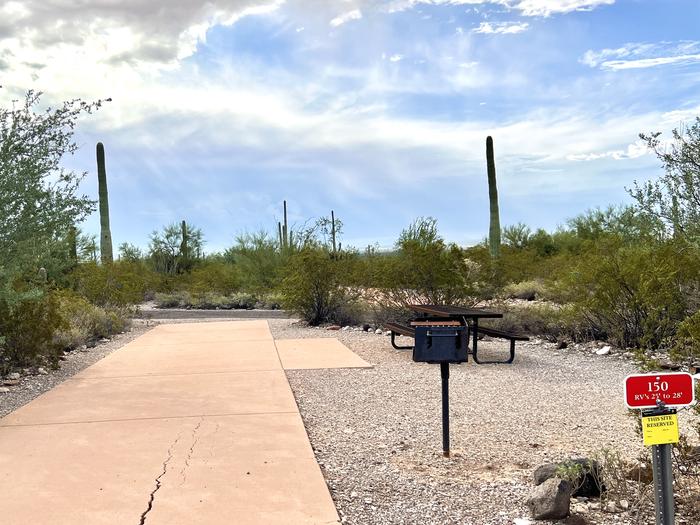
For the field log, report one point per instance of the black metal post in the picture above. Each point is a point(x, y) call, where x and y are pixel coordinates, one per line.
point(445, 377)
point(663, 484)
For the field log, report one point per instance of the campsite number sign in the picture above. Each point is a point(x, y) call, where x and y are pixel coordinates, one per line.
point(644, 390)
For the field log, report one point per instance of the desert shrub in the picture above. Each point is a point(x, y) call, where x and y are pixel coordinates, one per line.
point(84, 321)
point(120, 283)
point(633, 294)
point(211, 276)
point(181, 299)
point(686, 345)
point(549, 321)
point(313, 286)
point(27, 328)
point(528, 290)
point(424, 269)
point(258, 261)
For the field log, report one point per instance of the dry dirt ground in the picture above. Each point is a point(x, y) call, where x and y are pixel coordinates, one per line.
point(377, 432)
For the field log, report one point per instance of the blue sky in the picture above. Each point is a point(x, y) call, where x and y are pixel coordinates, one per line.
point(376, 109)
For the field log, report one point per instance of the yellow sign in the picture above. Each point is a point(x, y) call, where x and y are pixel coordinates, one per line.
point(660, 430)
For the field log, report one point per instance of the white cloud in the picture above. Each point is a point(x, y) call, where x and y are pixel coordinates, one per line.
point(634, 150)
point(501, 28)
point(395, 58)
point(355, 14)
point(643, 55)
point(550, 7)
point(543, 8)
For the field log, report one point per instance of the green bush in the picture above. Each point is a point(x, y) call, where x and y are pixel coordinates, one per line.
point(549, 321)
point(634, 294)
point(424, 269)
point(83, 321)
point(28, 327)
point(214, 276)
point(686, 345)
point(314, 288)
point(527, 290)
point(121, 283)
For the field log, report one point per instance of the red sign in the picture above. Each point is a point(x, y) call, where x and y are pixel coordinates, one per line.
point(675, 389)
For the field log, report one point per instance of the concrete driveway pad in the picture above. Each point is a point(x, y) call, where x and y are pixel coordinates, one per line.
point(322, 352)
point(186, 359)
point(189, 424)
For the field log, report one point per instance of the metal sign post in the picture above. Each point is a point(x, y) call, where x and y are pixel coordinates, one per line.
point(654, 394)
point(662, 466)
point(445, 377)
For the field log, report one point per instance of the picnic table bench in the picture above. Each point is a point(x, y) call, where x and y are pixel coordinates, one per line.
point(439, 315)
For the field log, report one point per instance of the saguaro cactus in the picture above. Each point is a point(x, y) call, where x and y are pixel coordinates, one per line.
point(285, 230)
point(184, 249)
point(494, 223)
point(105, 234)
point(73, 244)
point(333, 230)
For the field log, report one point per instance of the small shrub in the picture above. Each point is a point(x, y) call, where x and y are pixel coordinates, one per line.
point(120, 283)
point(173, 300)
point(549, 321)
point(83, 321)
point(312, 286)
point(527, 290)
point(28, 328)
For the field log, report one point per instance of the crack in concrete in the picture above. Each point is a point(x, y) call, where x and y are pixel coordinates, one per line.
point(152, 496)
point(195, 439)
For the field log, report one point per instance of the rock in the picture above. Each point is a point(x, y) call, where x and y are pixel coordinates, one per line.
point(365, 327)
point(667, 364)
point(388, 332)
point(4, 390)
point(13, 376)
point(641, 472)
point(624, 504)
point(603, 351)
point(610, 507)
point(42, 371)
point(333, 327)
point(562, 344)
point(550, 500)
point(586, 486)
point(378, 331)
point(544, 472)
point(345, 328)
point(10, 382)
point(91, 344)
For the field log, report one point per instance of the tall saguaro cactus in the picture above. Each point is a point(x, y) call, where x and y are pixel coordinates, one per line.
point(285, 230)
point(184, 248)
point(494, 223)
point(105, 234)
point(333, 230)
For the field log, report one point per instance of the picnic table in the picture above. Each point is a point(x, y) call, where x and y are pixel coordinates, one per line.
point(469, 317)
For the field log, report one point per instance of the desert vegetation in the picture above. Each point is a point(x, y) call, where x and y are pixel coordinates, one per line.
point(628, 274)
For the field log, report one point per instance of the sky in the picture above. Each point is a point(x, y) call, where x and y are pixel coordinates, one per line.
point(376, 109)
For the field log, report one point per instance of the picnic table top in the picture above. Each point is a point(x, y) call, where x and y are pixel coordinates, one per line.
point(459, 311)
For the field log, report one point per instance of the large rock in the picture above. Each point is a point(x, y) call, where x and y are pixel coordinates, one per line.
point(586, 485)
point(550, 500)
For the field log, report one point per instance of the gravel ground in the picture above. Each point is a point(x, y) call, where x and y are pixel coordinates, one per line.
point(377, 432)
point(33, 384)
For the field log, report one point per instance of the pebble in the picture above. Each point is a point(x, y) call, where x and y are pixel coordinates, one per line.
point(603, 351)
point(4, 390)
point(378, 331)
point(41, 371)
point(13, 376)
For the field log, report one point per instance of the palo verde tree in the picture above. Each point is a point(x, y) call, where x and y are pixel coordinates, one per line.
point(674, 198)
point(39, 200)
